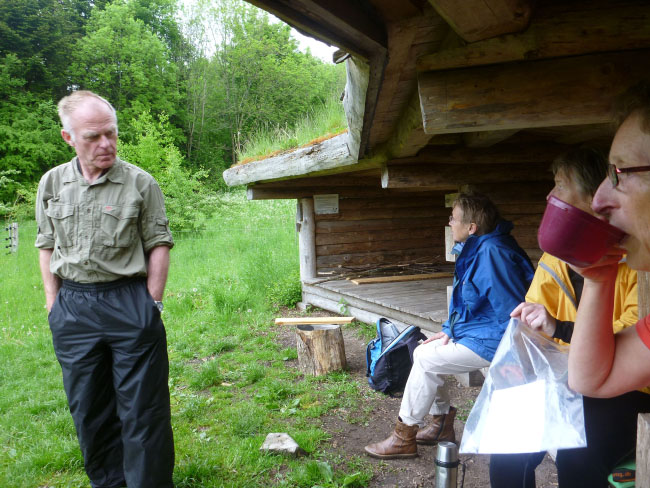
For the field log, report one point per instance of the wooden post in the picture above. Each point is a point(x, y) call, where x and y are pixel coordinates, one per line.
point(643, 421)
point(449, 245)
point(644, 293)
point(307, 238)
point(643, 451)
point(449, 239)
point(320, 348)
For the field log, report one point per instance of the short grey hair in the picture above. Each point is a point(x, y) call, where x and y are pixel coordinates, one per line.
point(588, 165)
point(635, 100)
point(68, 104)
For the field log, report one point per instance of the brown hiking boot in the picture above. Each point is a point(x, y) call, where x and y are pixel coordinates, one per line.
point(440, 429)
point(400, 445)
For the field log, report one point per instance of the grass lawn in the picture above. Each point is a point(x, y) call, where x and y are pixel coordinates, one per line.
point(230, 384)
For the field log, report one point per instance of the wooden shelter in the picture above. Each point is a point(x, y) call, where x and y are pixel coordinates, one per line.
point(442, 95)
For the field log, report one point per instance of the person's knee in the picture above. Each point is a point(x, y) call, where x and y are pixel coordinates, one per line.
point(422, 357)
point(417, 354)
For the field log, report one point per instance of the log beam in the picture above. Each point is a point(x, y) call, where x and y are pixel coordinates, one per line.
point(446, 177)
point(558, 92)
point(487, 138)
point(332, 153)
point(474, 20)
point(259, 192)
point(558, 29)
point(534, 152)
point(354, 101)
point(306, 238)
point(353, 26)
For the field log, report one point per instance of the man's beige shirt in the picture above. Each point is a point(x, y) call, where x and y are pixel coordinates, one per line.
point(101, 231)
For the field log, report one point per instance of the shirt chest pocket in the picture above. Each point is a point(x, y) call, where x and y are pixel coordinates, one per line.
point(119, 225)
point(62, 216)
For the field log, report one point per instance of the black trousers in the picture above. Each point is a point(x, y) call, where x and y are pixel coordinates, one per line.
point(610, 425)
point(111, 344)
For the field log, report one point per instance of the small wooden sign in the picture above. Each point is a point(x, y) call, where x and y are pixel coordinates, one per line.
point(326, 204)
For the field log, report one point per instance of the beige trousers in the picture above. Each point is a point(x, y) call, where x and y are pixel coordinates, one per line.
point(425, 392)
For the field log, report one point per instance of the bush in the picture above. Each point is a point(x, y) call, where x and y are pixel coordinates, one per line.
point(188, 202)
point(285, 291)
point(21, 207)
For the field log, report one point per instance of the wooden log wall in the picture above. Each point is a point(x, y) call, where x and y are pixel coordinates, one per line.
point(378, 227)
point(379, 231)
point(406, 228)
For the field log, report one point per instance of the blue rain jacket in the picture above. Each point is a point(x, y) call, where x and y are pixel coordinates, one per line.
point(491, 278)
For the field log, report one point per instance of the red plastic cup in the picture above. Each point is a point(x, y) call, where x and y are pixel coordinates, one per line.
point(575, 236)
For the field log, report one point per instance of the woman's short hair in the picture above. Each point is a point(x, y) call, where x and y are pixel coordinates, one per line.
point(635, 99)
point(587, 165)
point(68, 104)
point(479, 209)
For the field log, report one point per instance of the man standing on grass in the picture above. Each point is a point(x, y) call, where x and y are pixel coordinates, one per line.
point(104, 245)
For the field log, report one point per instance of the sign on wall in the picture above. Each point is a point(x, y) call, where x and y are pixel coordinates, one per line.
point(326, 204)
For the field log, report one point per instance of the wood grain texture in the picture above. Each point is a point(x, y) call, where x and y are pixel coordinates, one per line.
point(643, 451)
point(566, 91)
point(313, 320)
point(398, 279)
point(448, 177)
point(644, 293)
point(475, 20)
point(320, 349)
point(557, 29)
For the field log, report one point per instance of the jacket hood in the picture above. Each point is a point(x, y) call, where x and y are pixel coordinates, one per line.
point(504, 227)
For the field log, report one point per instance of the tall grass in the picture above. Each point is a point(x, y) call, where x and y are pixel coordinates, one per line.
point(229, 377)
point(321, 122)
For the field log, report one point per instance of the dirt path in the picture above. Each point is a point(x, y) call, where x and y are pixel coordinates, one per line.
point(349, 435)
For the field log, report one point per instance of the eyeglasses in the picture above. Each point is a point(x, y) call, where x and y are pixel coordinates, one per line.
point(613, 172)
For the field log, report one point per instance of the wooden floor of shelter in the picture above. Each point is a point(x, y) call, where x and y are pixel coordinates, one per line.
point(422, 303)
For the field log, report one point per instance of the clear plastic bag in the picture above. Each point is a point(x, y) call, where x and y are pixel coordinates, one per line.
point(525, 404)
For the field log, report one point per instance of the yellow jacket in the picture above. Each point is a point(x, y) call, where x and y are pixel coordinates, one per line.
point(559, 298)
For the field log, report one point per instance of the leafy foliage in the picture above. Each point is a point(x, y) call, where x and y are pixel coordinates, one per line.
point(187, 200)
point(124, 61)
point(257, 74)
point(42, 33)
point(30, 141)
point(284, 291)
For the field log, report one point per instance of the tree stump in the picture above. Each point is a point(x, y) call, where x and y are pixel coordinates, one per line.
point(320, 348)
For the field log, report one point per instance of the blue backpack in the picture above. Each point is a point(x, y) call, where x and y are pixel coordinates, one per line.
point(389, 356)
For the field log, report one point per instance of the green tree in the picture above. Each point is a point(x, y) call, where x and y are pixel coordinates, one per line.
point(123, 60)
point(255, 77)
point(30, 140)
point(42, 34)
